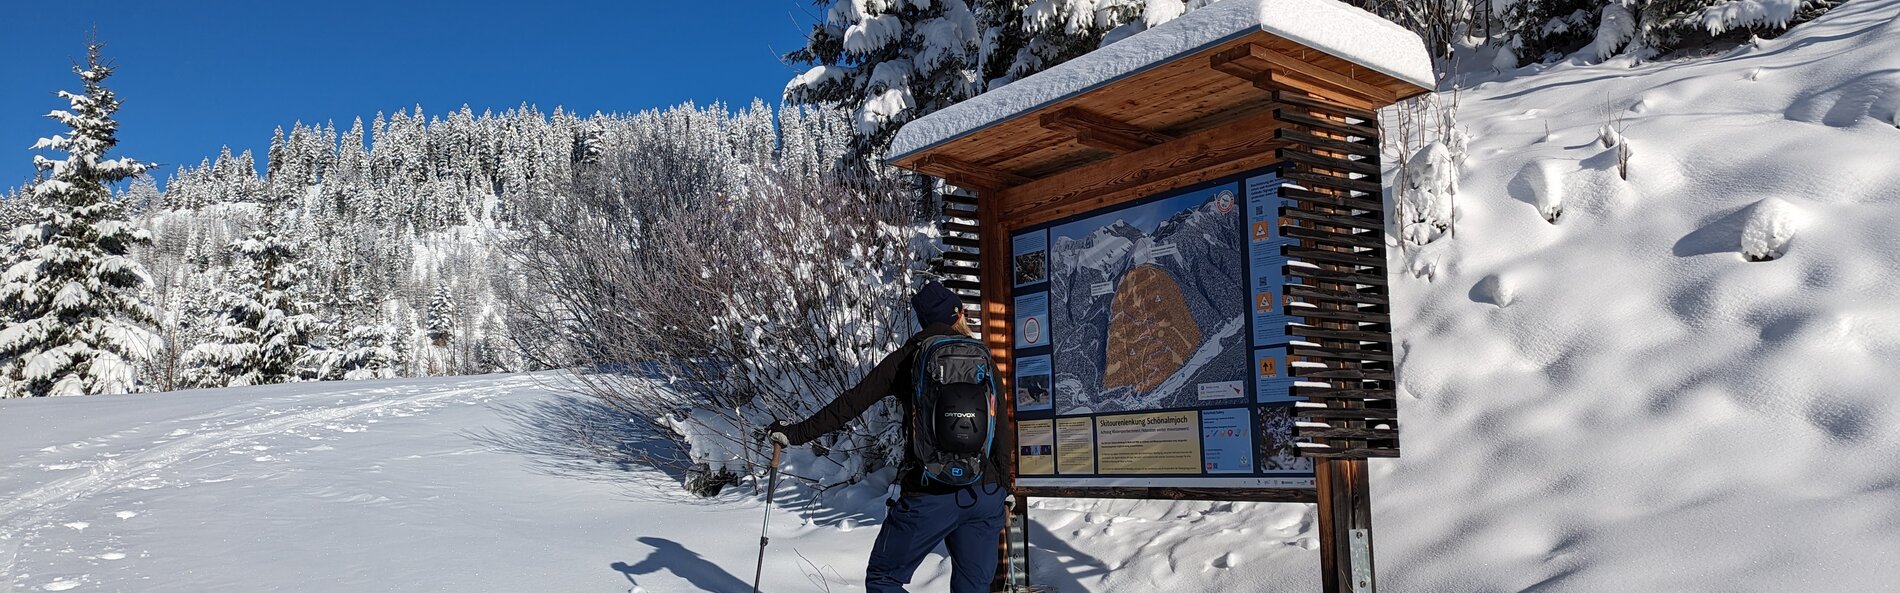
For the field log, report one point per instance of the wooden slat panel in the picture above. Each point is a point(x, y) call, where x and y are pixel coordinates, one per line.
point(1347, 374)
point(1324, 275)
point(1340, 240)
point(1360, 434)
point(957, 227)
point(1341, 128)
point(1316, 181)
point(1313, 197)
point(1368, 222)
point(1292, 136)
point(1352, 453)
point(1340, 334)
point(1345, 393)
point(1347, 414)
point(1354, 316)
point(1337, 354)
point(1371, 260)
point(1303, 100)
point(1365, 167)
point(1317, 293)
point(963, 285)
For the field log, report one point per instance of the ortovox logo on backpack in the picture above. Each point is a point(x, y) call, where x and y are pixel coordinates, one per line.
point(954, 410)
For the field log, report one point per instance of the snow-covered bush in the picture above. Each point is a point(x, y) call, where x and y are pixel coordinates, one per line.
point(1431, 181)
point(1770, 227)
point(1426, 140)
point(766, 304)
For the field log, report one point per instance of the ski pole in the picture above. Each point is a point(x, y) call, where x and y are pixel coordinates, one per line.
point(771, 488)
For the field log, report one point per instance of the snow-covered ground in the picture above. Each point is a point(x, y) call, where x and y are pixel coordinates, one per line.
point(457, 485)
point(417, 485)
point(1617, 401)
point(1621, 400)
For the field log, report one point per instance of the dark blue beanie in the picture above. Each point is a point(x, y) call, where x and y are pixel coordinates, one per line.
point(935, 304)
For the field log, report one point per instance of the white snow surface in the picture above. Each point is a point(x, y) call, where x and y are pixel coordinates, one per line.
point(1326, 25)
point(1621, 400)
point(457, 484)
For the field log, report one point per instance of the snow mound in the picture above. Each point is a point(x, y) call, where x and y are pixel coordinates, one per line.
point(1326, 25)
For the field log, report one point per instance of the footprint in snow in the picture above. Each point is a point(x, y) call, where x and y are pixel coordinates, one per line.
point(78, 525)
point(60, 585)
point(112, 556)
point(123, 515)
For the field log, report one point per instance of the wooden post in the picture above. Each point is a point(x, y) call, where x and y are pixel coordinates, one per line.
point(1345, 521)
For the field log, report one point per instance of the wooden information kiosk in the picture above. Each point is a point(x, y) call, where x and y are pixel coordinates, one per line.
point(1177, 247)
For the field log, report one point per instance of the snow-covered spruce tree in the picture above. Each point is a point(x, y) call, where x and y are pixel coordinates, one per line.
point(264, 332)
point(1023, 37)
point(75, 324)
point(888, 62)
point(441, 316)
point(1546, 30)
point(368, 352)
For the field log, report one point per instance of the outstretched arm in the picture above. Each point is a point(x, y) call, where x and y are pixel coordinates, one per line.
point(853, 402)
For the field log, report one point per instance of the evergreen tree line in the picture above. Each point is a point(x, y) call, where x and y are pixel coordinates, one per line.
point(382, 250)
point(888, 62)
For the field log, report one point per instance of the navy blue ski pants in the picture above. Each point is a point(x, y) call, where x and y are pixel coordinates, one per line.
point(968, 522)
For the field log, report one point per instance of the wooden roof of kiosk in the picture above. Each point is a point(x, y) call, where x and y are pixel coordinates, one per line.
point(1107, 126)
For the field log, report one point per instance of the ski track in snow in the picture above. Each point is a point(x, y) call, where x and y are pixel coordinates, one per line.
point(231, 428)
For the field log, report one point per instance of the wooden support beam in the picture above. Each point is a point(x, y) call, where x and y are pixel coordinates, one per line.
point(1101, 132)
point(967, 174)
point(1197, 157)
point(1274, 71)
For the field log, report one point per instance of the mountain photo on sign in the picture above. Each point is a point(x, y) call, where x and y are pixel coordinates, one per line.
point(1152, 313)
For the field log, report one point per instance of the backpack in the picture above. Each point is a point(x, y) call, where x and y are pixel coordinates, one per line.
point(953, 411)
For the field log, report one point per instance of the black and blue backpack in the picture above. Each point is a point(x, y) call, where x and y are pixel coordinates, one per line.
point(953, 415)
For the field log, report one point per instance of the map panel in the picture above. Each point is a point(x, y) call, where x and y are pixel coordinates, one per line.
point(1148, 304)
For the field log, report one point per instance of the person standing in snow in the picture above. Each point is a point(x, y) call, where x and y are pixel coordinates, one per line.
point(968, 520)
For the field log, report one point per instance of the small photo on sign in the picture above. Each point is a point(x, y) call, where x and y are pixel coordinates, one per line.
point(1031, 257)
point(1033, 383)
point(1278, 449)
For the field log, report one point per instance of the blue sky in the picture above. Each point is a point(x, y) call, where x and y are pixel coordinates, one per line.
point(198, 75)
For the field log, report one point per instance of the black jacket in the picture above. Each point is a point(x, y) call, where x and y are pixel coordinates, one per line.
point(893, 377)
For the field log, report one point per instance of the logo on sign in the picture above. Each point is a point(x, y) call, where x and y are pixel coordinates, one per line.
point(1224, 201)
point(1032, 330)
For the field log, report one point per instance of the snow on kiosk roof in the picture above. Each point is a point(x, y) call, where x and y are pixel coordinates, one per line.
point(1206, 70)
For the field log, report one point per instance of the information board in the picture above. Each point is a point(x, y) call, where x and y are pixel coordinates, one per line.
point(1151, 346)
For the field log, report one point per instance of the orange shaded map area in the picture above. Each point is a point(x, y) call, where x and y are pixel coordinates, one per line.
point(1151, 332)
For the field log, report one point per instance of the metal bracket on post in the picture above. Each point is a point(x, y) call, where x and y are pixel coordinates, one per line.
point(1361, 545)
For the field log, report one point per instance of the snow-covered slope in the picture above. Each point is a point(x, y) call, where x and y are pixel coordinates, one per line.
point(379, 486)
point(1621, 400)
